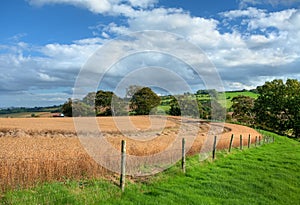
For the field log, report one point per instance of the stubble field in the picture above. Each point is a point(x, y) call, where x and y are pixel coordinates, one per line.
point(36, 150)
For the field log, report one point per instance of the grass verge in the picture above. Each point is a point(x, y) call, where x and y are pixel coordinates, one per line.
point(268, 174)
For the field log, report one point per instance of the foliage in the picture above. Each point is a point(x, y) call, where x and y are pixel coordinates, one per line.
point(132, 89)
point(119, 106)
point(175, 108)
point(189, 105)
point(103, 102)
point(243, 109)
point(278, 106)
point(76, 108)
point(67, 108)
point(212, 109)
point(89, 99)
point(143, 101)
point(186, 105)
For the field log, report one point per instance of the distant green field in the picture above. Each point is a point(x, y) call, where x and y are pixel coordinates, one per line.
point(26, 115)
point(223, 98)
point(230, 95)
point(247, 93)
point(268, 174)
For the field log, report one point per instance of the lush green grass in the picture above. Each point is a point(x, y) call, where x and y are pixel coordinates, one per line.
point(268, 174)
point(223, 98)
point(246, 93)
point(229, 95)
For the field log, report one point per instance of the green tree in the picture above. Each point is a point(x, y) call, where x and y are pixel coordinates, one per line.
point(103, 101)
point(143, 101)
point(89, 99)
point(278, 106)
point(174, 107)
point(67, 108)
point(76, 108)
point(119, 106)
point(186, 105)
point(212, 109)
point(80, 109)
point(132, 89)
point(242, 107)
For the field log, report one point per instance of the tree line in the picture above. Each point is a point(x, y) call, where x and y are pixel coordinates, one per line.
point(142, 101)
point(138, 101)
point(277, 107)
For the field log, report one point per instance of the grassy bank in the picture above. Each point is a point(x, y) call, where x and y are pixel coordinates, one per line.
point(264, 175)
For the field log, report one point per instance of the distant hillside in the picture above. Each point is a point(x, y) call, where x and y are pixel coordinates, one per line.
point(30, 112)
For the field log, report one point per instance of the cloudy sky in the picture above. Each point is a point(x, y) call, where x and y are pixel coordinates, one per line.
point(45, 43)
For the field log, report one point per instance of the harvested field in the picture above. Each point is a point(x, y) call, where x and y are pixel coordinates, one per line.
point(44, 149)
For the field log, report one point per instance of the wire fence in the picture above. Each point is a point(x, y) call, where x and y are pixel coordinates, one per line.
point(19, 173)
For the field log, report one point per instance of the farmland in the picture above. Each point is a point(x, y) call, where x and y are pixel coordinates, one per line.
point(46, 149)
point(263, 175)
point(223, 98)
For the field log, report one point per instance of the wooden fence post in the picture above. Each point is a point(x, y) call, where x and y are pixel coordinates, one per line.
point(249, 141)
point(183, 156)
point(123, 165)
point(255, 141)
point(259, 141)
point(230, 144)
point(241, 142)
point(214, 148)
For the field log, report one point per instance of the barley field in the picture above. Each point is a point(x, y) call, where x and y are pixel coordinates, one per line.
point(37, 150)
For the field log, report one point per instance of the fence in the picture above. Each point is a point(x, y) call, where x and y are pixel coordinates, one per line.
point(27, 172)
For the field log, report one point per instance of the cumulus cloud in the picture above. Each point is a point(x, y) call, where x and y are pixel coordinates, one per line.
point(110, 7)
point(246, 3)
point(256, 45)
point(53, 67)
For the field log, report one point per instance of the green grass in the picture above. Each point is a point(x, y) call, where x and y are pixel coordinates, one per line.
point(25, 114)
point(246, 93)
point(229, 95)
point(268, 174)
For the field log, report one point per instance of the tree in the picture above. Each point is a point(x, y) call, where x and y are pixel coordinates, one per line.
point(212, 109)
point(278, 106)
point(132, 90)
point(143, 101)
point(103, 101)
point(119, 106)
point(186, 105)
point(89, 99)
point(175, 108)
point(67, 108)
point(77, 108)
point(243, 109)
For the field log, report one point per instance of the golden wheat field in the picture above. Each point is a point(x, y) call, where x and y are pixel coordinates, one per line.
point(36, 150)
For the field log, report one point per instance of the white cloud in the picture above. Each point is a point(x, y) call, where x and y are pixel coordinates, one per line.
point(200, 31)
point(95, 6)
point(143, 3)
point(246, 3)
point(249, 12)
point(279, 20)
point(266, 46)
point(111, 7)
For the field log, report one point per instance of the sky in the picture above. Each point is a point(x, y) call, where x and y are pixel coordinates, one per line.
point(47, 45)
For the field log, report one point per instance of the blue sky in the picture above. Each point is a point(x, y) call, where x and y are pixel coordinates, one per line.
point(45, 43)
